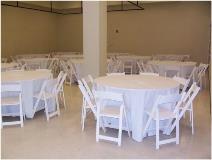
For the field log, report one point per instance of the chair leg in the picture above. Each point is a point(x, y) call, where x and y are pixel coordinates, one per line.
point(57, 105)
point(83, 117)
point(120, 130)
point(127, 124)
point(157, 134)
point(21, 116)
point(46, 110)
point(192, 120)
point(64, 100)
point(97, 129)
point(177, 130)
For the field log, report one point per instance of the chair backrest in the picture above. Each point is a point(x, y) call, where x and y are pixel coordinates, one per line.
point(202, 69)
point(191, 94)
point(60, 75)
point(139, 67)
point(173, 99)
point(86, 97)
point(60, 82)
point(187, 99)
point(73, 69)
point(149, 73)
point(88, 84)
point(12, 87)
point(117, 74)
point(105, 95)
point(184, 82)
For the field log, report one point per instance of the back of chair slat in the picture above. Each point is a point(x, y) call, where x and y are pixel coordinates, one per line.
point(14, 87)
point(60, 83)
point(109, 96)
point(149, 74)
point(192, 92)
point(117, 74)
point(182, 81)
point(86, 82)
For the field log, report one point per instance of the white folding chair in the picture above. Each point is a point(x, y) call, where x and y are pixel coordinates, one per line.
point(88, 104)
point(128, 66)
point(88, 82)
point(183, 82)
point(117, 112)
point(60, 81)
point(49, 91)
point(15, 101)
point(172, 73)
point(149, 74)
point(187, 105)
point(140, 66)
point(117, 74)
point(201, 74)
point(159, 112)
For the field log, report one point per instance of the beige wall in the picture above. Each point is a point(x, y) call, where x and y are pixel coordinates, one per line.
point(69, 35)
point(162, 28)
point(27, 31)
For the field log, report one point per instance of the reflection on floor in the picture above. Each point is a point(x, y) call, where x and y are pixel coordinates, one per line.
point(62, 137)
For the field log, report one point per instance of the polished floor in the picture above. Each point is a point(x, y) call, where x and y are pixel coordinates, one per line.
point(62, 137)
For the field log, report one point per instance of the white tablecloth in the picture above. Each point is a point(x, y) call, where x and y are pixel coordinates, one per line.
point(184, 68)
point(6, 66)
point(139, 92)
point(79, 66)
point(31, 82)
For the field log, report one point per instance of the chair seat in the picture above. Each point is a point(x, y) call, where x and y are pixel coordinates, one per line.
point(163, 114)
point(48, 96)
point(110, 111)
point(10, 101)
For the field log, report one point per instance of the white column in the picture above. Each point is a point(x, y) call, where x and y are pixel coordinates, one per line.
point(95, 37)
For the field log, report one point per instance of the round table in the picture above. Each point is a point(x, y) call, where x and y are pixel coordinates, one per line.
point(184, 68)
point(140, 91)
point(6, 66)
point(31, 82)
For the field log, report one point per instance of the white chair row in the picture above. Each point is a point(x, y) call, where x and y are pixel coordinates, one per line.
point(159, 112)
point(49, 91)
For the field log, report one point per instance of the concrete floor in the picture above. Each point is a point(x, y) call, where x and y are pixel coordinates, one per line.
point(62, 137)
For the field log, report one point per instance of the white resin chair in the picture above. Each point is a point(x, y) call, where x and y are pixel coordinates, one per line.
point(159, 113)
point(12, 101)
point(201, 74)
point(187, 105)
point(88, 83)
point(183, 82)
point(128, 66)
point(60, 81)
point(117, 112)
point(49, 91)
point(172, 73)
point(88, 104)
point(149, 74)
point(140, 66)
point(117, 74)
